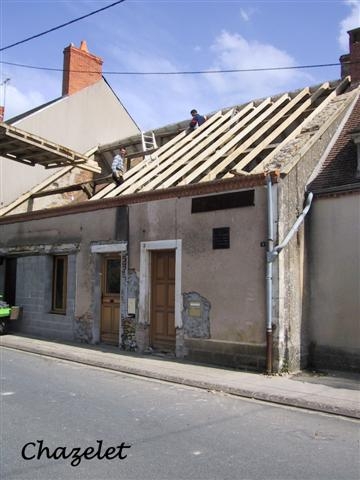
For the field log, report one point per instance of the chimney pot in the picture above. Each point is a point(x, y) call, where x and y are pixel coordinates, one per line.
point(83, 46)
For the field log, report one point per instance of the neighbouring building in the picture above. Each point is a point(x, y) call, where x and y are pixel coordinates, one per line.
point(86, 115)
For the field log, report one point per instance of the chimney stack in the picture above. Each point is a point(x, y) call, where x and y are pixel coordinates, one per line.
point(81, 69)
point(350, 62)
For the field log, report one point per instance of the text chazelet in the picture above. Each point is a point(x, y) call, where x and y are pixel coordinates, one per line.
point(37, 450)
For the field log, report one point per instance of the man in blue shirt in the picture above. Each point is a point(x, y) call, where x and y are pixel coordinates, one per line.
point(117, 166)
point(197, 120)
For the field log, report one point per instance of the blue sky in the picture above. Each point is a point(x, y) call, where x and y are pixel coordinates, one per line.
point(175, 35)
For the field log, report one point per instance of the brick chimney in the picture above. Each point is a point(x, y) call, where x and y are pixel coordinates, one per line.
point(2, 111)
point(350, 62)
point(81, 69)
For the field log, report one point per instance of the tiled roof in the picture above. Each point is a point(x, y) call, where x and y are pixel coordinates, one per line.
point(339, 167)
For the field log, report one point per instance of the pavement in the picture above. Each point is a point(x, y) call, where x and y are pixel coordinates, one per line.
point(329, 392)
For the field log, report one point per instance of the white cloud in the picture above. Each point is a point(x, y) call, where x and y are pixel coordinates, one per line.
point(348, 23)
point(29, 90)
point(232, 51)
point(18, 102)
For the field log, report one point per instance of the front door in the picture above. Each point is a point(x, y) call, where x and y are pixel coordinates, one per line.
point(110, 300)
point(162, 322)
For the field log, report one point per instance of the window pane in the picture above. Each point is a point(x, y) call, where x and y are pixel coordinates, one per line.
point(113, 276)
point(59, 284)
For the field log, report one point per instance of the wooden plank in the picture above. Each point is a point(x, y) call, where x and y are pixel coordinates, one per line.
point(323, 127)
point(48, 181)
point(150, 170)
point(324, 87)
point(234, 123)
point(135, 170)
point(275, 133)
point(252, 128)
point(25, 141)
point(189, 153)
point(261, 112)
point(37, 188)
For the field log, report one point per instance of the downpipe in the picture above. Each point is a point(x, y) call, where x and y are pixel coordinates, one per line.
point(272, 254)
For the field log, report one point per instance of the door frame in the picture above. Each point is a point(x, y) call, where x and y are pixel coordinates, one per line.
point(145, 278)
point(98, 250)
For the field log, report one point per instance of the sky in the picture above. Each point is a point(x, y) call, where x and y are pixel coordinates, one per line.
point(175, 36)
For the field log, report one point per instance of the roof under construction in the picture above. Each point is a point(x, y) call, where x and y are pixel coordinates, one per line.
point(272, 133)
point(30, 149)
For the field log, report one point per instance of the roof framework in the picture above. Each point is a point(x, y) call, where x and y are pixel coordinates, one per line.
point(29, 149)
point(243, 141)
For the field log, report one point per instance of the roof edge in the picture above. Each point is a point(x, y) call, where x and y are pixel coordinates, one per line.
point(205, 188)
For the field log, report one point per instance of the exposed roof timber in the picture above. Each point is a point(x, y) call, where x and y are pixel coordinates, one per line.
point(340, 88)
point(244, 138)
point(29, 149)
point(41, 186)
point(236, 140)
point(169, 153)
point(85, 186)
point(23, 198)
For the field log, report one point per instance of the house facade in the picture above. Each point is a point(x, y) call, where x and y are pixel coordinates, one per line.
point(202, 251)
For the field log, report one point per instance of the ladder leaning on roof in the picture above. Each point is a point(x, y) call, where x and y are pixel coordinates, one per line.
point(148, 141)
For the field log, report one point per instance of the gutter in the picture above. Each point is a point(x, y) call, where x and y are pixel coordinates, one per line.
point(272, 254)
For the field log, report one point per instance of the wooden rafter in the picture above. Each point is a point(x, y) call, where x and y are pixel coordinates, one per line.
point(30, 149)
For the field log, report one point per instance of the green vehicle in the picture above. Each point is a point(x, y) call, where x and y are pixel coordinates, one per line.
point(7, 314)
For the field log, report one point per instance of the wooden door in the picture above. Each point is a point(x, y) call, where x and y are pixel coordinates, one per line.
point(110, 300)
point(162, 322)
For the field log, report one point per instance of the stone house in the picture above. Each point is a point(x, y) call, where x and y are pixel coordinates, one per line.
point(202, 251)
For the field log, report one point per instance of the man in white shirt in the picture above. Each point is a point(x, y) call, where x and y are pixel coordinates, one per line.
point(117, 166)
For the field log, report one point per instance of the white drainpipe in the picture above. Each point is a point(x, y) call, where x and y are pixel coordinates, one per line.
point(271, 255)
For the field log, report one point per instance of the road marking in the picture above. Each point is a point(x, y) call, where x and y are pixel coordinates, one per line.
point(4, 394)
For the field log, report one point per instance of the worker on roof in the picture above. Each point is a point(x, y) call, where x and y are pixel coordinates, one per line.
point(117, 166)
point(196, 121)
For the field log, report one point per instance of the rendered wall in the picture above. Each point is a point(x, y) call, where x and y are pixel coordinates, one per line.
point(231, 280)
point(334, 313)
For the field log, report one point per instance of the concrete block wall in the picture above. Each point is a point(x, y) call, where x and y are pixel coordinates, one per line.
point(34, 295)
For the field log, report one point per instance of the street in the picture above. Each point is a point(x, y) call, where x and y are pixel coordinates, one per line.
point(62, 420)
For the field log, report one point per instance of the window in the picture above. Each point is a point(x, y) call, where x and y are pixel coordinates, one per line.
point(223, 201)
point(221, 238)
point(59, 285)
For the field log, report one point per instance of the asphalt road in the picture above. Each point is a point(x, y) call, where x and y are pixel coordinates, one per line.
point(157, 430)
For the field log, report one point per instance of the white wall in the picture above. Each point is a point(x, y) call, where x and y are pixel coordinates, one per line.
point(81, 121)
point(335, 272)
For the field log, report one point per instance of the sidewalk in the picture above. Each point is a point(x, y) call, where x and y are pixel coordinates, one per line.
point(331, 393)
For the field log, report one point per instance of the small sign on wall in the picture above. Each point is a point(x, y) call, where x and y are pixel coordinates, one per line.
point(131, 306)
point(194, 309)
